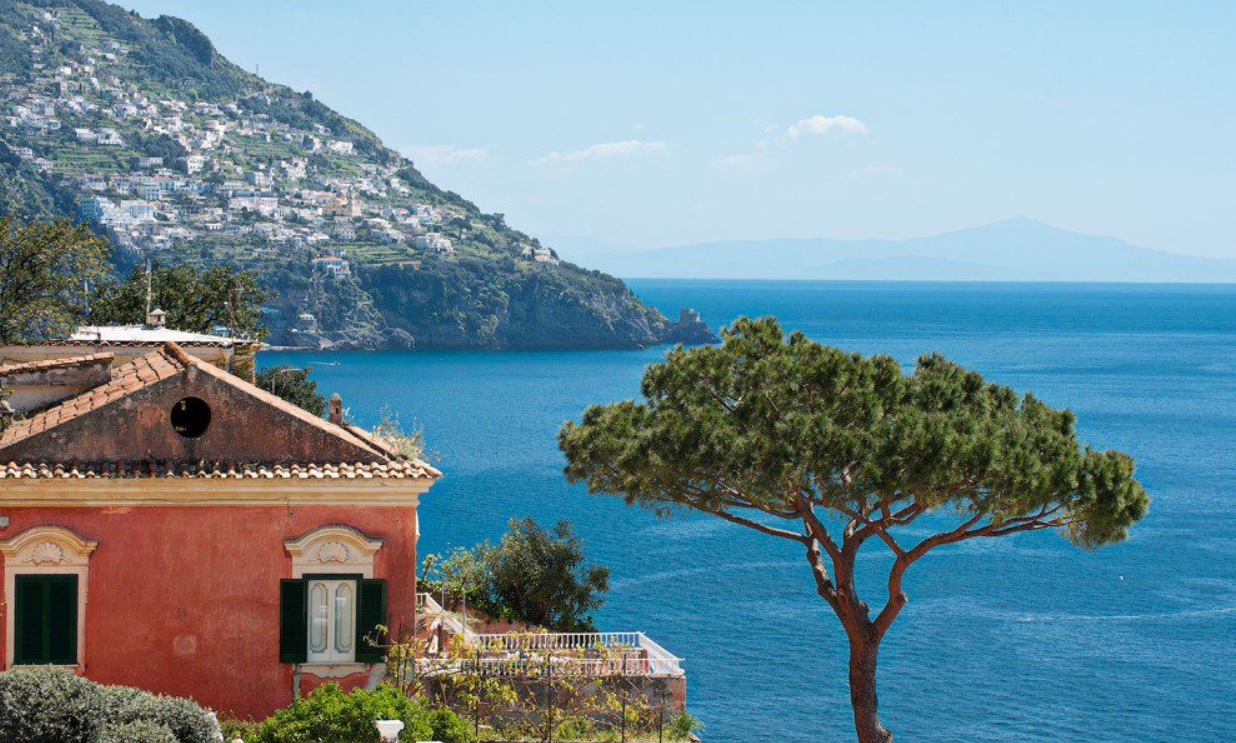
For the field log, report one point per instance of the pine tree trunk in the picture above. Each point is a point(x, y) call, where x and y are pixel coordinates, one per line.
point(863, 653)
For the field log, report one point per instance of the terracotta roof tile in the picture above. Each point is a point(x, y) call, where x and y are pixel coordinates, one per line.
point(37, 366)
point(126, 379)
point(170, 360)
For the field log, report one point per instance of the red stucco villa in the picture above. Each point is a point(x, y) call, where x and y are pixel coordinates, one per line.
point(168, 525)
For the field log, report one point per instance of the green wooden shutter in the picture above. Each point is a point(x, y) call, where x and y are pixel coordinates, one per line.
point(293, 621)
point(370, 612)
point(28, 637)
point(46, 614)
point(61, 621)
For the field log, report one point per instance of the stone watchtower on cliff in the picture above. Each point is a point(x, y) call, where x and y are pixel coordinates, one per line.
point(689, 329)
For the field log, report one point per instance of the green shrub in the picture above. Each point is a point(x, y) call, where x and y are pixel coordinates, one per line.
point(48, 705)
point(532, 575)
point(52, 705)
point(136, 732)
point(234, 728)
point(449, 728)
point(327, 715)
point(188, 722)
point(682, 726)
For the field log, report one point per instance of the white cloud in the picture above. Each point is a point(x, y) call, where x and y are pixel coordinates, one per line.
point(444, 153)
point(820, 125)
point(603, 151)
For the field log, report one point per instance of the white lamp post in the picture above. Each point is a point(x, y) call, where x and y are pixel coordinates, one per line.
point(389, 729)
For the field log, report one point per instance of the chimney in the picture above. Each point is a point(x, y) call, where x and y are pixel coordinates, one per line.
point(156, 318)
point(335, 409)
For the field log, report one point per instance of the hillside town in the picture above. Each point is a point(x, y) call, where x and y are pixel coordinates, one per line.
point(168, 174)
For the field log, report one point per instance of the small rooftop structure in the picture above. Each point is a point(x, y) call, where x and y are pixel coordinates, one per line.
point(149, 333)
point(127, 342)
point(36, 384)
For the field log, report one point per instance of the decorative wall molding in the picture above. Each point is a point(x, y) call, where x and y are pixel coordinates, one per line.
point(205, 492)
point(47, 545)
point(335, 548)
point(43, 550)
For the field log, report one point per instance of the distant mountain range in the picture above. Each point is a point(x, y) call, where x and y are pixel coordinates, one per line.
point(1018, 249)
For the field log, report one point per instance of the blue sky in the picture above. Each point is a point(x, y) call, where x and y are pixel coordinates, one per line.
point(645, 123)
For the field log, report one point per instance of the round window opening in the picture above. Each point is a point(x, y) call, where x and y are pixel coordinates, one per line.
point(191, 417)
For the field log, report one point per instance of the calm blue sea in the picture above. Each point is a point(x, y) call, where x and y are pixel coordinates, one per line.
point(1020, 639)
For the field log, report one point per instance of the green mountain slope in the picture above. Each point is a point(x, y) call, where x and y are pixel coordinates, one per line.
point(142, 128)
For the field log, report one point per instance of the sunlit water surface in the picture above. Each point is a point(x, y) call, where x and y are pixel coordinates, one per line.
point(1018, 639)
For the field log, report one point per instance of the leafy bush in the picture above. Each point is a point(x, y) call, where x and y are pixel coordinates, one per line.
point(197, 300)
point(327, 715)
point(136, 732)
point(235, 728)
point(533, 575)
point(448, 727)
point(48, 706)
point(188, 722)
point(682, 726)
point(409, 445)
point(52, 705)
point(294, 385)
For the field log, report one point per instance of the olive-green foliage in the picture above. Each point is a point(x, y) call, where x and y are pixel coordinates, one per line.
point(683, 726)
point(449, 727)
point(407, 444)
point(186, 720)
point(48, 706)
point(195, 299)
point(136, 732)
point(52, 705)
point(833, 450)
point(15, 57)
point(236, 728)
point(769, 423)
point(471, 301)
point(294, 385)
point(533, 575)
point(44, 267)
point(25, 194)
point(160, 145)
point(327, 715)
point(171, 50)
point(5, 393)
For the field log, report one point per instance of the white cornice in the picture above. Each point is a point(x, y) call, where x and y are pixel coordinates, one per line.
point(211, 492)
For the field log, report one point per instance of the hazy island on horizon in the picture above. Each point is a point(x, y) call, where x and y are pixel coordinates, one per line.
point(1018, 249)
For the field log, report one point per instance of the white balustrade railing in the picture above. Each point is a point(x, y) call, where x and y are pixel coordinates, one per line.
point(558, 653)
point(579, 653)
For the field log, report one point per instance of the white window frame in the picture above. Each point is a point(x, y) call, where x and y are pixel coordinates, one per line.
point(335, 634)
point(45, 550)
point(334, 549)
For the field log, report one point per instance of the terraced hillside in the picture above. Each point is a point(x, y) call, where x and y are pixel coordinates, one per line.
point(142, 128)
